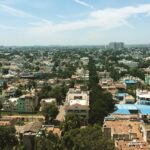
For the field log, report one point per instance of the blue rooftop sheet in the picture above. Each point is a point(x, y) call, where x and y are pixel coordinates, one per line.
point(124, 108)
point(121, 94)
point(142, 106)
point(122, 111)
point(145, 111)
point(130, 81)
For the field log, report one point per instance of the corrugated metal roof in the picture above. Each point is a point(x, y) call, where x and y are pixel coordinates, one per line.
point(124, 108)
point(121, 94)
point(122, 111)
point(130, 81)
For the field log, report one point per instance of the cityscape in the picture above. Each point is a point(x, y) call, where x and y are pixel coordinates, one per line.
point(74, 75)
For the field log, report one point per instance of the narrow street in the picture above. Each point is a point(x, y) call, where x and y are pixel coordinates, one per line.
point(60, 116)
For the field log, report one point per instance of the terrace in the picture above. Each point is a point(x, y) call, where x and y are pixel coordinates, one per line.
point(126, 133)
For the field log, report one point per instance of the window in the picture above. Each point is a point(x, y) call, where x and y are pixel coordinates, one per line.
point(76, 111)
point(70, 111)
point(82, 111)
point(77, 97)
point(133, 111)
point(83, 116)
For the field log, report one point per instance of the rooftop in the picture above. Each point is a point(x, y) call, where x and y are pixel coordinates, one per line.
point(126, 127)
point(128, 81)
point(13, 99)
point(31, 127)
point(49, 100)
point(79, 101)
point(121, 94)
point(144, 93)
point(126, 108)
point(129, 97)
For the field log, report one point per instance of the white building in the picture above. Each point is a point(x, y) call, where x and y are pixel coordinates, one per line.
point(143, 96)
point(10, 104)
point(77, 102)
point(10, 91)
point(81, 74)
point(145, 129)
point(77, 94)
point(84, 60)
point(129, 63)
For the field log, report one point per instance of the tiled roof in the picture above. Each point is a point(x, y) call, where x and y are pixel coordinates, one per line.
point(32, 127)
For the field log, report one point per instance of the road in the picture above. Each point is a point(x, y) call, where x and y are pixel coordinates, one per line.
point(60, 116)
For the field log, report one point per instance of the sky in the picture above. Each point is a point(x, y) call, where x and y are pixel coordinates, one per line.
point(74, 22)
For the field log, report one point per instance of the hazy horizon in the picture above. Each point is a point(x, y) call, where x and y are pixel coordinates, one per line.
point(74, 22)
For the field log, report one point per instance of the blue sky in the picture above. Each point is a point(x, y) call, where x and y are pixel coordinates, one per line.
point(74, 22)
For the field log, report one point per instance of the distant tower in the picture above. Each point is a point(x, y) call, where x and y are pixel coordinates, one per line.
point(116, 45)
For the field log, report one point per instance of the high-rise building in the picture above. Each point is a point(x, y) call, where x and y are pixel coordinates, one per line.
point(116, 45)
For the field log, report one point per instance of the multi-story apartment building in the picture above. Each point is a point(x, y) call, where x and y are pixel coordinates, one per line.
point(77, 102)
point(26, 103)
point(129, 63)
point(116, 45)
point(143, 97)
point(10, 105)
point(84, 60)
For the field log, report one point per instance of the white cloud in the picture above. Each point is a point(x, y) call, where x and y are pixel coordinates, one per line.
point(43, 31)
point(19, 13)
point(84, 4)
point(101, 19)
point(14, 12)
point(4, 27)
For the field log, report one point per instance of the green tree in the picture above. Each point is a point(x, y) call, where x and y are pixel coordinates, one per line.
point(5, 85)
point(18, 93)
point(31, 84)
point(59, 92)
point(114, 74)
point(137, 72)
point(5, 71)
point(7, 138)
point(45, 91)
point(72, 121)
point(89, 138)
point(101, 103)
point(48, 141)
point(37, 68)
point(50, 112)
point(72, 83)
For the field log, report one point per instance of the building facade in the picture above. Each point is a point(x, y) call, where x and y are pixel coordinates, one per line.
point(77, 102)
point(116, 45)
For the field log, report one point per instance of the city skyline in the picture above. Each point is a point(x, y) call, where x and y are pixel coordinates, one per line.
point(74, 22)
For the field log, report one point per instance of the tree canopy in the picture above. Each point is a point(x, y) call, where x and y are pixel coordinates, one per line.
point(101, 102)
point(50, 112)
point(7, 137)
point(72, 121)
point(89, 138)
point(48, 141)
